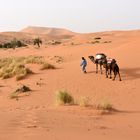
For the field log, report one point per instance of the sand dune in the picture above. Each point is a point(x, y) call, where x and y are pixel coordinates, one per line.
point(36, 116)
point(45, 30)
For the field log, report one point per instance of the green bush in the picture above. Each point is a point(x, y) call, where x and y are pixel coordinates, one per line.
point(13, 44)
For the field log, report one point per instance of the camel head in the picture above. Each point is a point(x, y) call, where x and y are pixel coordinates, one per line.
point(91, 57)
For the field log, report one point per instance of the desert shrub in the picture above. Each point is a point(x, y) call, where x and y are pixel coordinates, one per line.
point(107, 42)
point(23, 74)
point(10, 67)
point(94, 42)
point(55, 42)
point(84, 102)
point(105, 105)
point(63, 98)
point(72, 43)
point(13, 44)
point(47, 66)
point(7, 45)
point(23, 88)
point(20, 44)
point(34, 60)
point(18, 91)
point(97, 38)
point(14, 95)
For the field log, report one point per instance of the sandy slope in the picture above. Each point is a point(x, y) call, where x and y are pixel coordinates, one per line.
point(36, 117)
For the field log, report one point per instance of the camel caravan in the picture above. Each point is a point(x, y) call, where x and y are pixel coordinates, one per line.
point(108, 63)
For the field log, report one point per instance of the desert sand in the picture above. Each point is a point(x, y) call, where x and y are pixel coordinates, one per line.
point(37, 117)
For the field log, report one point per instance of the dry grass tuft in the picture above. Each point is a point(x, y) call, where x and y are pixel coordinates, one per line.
point(105, 105)
point(19, 92)
point(84, 102)
point(10, 67)
point(47, 66)
point(64, 98)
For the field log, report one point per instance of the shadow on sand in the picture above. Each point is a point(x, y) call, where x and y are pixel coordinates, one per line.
point(127, 111)
point(130, 73)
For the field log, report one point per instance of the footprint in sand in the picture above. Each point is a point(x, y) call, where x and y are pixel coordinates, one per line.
point(30, 120)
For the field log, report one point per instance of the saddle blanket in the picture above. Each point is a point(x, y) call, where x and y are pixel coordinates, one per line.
point(110, 60)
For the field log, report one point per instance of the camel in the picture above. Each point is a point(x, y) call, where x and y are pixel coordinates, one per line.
point(98, 60)
point(111, 65)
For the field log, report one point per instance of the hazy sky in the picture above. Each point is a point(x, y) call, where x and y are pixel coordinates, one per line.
point(76, 15)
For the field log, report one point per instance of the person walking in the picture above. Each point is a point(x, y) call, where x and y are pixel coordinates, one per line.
point(84, 64)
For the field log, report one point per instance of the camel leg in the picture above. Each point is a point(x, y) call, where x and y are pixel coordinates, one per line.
point(96, 68)
point(110, 73)
point(101, 68)
point(106, 69)
point(114, 75)
point(119, 76)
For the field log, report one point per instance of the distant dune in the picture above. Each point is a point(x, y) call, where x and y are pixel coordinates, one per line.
point(47, 34)
point(46, 30)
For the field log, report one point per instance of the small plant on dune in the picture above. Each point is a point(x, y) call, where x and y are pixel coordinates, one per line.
point(94, 42)
point(23, 74)
point(34, 60)
point(18, 91)
point(14, 95)
point(84, 102)
point(64, 98)
point(47, 66)
point(97, 38)
point(107, 42)
point(105, 105)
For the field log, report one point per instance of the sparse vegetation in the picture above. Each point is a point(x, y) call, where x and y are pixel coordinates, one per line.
point(84, 102)
point(105, 105)
point(72, 43)
point(47, 66)
point(54, 42)
point(13, 44)
point(34, 60)
point(64, 98)
point(10, 67)
point(94, 42)
point(57, 59)
point(107, 42)
point(16, 94)
point(97, 38)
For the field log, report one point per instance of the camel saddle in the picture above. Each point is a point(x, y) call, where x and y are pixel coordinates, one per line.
point(100, 56)
point(111, 60)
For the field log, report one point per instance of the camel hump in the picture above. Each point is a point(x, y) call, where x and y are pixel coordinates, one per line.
point(100, 56)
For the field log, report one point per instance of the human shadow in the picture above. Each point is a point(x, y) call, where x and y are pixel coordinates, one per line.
point(90, 72)
point(130, 73)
